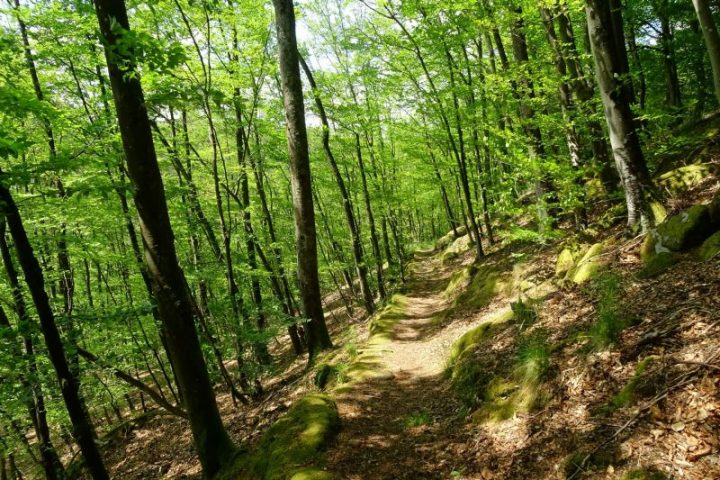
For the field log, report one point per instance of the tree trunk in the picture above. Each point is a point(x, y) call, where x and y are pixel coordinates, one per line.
point(360, 265)
point(36, 399)
point(712, 40)
point(169, 286)
point(82, 427)
point(624, 139)
point(317, 334)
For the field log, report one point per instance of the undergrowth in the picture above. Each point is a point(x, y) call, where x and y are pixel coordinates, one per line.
point(612, 318)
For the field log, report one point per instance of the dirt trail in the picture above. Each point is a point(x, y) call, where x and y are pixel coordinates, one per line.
point(407, 425)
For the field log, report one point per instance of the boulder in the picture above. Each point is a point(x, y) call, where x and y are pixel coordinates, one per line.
point(565, 261)
point(710, 247)
point(589, 265)
point(684, 230)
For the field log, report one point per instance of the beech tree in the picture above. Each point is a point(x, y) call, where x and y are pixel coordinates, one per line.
point(168, 282)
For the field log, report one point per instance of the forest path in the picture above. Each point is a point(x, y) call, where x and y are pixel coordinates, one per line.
point(405, 423)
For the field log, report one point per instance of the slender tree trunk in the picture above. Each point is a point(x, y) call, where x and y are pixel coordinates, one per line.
point(36, 399)
point(82, 427)
point(712, 40)
point(169, 286)
point(624, 139)
point(347, 202)
point(305, 235)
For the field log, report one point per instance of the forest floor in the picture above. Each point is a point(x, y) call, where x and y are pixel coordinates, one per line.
point(650, 399)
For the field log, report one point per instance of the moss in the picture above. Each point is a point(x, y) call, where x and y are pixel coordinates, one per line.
point(311, 474)
point(368, 362)
point(588, 266)
point(291, 444)
point(684, 178)
point(565, 261)
point(325, 374)
point(710, 247)
point(520, 391)
point(479, 334)
point(714, 211)
point(658, 263)
point(658, 211)
point(644, 474)
point(628, 395)
point(684, 230)
point(594, 189)
point(457, 280)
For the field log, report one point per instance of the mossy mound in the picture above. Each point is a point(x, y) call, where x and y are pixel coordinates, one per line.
point(684, 230)
point(714, 211)
point(485, 284)
point(312, 474)
point(448, 238)
point(658, 263)
point(327, 375)
point(710, 247)
point(458, 279)
point(565, 261)
point(589, 265)
point(644, 474)
point(457, 247)
point(368, 363)
point(684, 178)
point(292, 444)
point(474, 337)
point(521, 390)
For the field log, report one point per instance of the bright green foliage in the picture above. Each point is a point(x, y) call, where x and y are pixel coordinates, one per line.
point(628, 395)
point(611, 317)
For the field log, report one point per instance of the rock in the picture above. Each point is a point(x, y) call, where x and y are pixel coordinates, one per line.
point(710, 247)
point(658, 263)
point(565, 262)
point(458, 246)
point(684, 178)
point(684, 230)
point(714, 210)
point(588, 266)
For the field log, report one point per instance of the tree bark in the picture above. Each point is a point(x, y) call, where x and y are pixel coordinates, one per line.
point(712, 40)
point(169, 285)
point(360, 265)
point(318, 337)
point(624, 139)
point(82, 427)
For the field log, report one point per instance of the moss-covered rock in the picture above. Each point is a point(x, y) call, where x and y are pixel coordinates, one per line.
point(714, 211)
point(658, 211)
point(644, 474)
point(589, 265)
point(658, 263)
point(474, 337)
point(587, 458)
point(458, 279)
point(312, 474)
point(458, 246)
point(290, 447)
point(684, 230)
point(710, 247)
point(565, 262)
point(682, 179)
